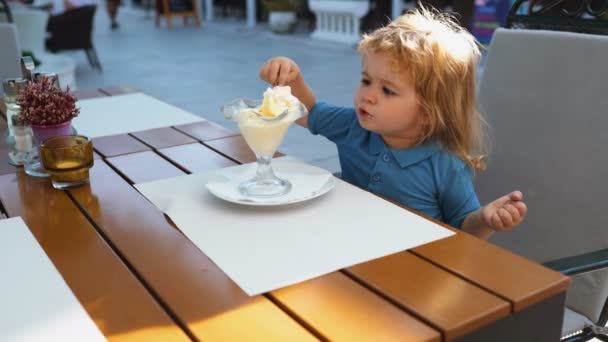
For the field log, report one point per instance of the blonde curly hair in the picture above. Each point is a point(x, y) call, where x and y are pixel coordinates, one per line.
point(441, 58)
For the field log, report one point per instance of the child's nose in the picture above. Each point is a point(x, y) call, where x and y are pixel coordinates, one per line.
point(370, 96)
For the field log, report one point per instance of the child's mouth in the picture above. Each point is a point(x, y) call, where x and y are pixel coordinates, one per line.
point(364, 114)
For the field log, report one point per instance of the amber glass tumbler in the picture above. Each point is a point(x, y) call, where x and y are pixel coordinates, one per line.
point(67, 159)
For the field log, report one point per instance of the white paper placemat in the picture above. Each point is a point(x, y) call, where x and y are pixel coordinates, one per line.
point(127, 113)
point(35, 302)
point(265, 248)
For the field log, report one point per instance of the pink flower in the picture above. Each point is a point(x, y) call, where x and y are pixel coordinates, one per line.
point(44, 104)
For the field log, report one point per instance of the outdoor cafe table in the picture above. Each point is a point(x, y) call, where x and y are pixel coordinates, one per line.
point(140, 279)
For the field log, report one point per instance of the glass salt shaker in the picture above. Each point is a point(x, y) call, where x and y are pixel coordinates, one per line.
point(23, 141)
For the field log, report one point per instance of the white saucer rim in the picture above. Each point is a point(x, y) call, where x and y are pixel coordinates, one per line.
point(314, 193)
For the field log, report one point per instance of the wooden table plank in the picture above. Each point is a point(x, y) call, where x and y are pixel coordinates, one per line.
point(196, 158)
point(442, 299)
point(120, 306)
point(116, 145)
point(130, 165)
point(331, 313)
point(197, 292)
point(206, 130)
point(492, 267)
point(495, 269)
point(235, 148)
point(343, 310)
point(163, 137)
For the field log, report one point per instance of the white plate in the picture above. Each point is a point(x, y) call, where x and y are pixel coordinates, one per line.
point(307, 182)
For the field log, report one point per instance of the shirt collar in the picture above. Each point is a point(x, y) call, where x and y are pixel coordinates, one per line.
point(409, 156)
point(405, 156)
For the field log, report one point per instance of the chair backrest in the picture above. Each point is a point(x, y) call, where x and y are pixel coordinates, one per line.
point(31, 27)
point(544, 94)
point(72, 30)
point(10, 53)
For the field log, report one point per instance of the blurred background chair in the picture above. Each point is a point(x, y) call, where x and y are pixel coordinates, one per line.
point(172, 8)
point(31, 27)
point(10, 53)
point(5, 12)
point(73, 30)
point(31, 30)
point(544, 94)
point(583, 16)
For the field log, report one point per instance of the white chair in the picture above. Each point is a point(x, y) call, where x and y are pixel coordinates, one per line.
point(31, 25)
point(10, 53)
point(544, 93)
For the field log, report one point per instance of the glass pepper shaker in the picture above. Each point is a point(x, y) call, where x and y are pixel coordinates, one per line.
point(12, 87)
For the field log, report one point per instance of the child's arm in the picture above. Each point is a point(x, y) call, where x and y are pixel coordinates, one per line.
point(284, 71)
point(502, 214)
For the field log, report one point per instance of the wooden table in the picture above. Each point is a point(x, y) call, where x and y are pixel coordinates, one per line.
point(140, 279)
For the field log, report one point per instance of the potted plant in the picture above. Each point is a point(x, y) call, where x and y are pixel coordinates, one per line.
point(282, 14)
point(47, 109)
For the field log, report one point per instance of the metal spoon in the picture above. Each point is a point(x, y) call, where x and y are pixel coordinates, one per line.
point(268, 118)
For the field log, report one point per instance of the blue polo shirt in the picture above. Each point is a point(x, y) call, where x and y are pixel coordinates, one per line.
point(425, 178)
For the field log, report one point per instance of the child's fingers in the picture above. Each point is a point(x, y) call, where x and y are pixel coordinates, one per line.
point(273, 72)
point(264, 72)
point(284, 74)
point(516, 196)
point(515, 216)
point(521, 207)
point(505, 217)
point(497, 222)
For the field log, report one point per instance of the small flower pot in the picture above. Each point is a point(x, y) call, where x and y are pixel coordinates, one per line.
point(41, 133)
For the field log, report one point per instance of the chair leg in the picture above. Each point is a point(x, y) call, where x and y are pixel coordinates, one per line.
point(89, 58)
point(156, 13)
point(93, 59)
point(96, 59)
point(197, 20)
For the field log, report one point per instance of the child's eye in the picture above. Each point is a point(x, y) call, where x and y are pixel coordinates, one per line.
point(365, 81)
point(387, 91)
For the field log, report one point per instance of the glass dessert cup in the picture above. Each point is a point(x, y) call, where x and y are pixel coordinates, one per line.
point(263, 136)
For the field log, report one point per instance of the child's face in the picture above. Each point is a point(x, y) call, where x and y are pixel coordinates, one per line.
point(386, 101)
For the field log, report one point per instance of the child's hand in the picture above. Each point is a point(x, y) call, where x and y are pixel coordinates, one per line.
point(280, 71)
point(505, 213)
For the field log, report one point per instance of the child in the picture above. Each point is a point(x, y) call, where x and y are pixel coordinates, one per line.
point(414, 130)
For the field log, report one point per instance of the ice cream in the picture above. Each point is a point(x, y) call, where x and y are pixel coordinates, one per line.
point(276, 100)
point(264, 137)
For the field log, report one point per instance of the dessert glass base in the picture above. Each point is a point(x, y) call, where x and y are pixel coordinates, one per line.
point(265, 183)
